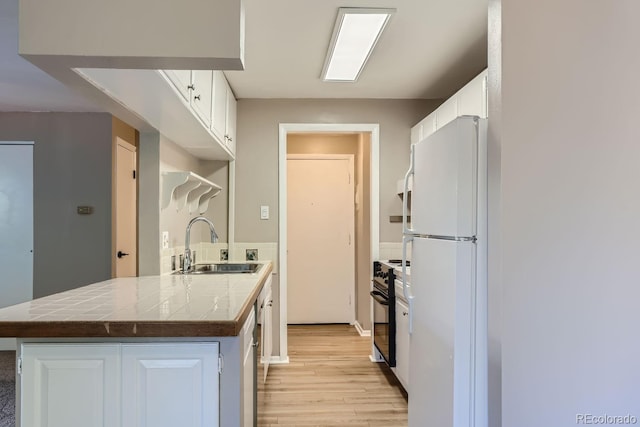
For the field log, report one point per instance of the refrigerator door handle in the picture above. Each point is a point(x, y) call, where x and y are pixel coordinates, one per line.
point(405, 194)
point(406, 287)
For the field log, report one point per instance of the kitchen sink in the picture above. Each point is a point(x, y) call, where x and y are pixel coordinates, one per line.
point(222, 268)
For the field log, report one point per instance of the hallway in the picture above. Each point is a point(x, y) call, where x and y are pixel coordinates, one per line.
point(330, 381)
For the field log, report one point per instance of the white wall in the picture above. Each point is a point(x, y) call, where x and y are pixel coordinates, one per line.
point(570, 189)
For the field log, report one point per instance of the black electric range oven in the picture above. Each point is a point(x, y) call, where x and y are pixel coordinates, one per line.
point(384, 313)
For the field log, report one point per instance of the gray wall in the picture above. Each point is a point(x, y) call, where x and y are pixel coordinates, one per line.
point(570, 207)
point(257, 153)
point(72, 166)
point(157, 155)
point(175, 158)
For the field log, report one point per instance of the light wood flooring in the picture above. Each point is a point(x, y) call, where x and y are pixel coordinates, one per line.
point(330, 381)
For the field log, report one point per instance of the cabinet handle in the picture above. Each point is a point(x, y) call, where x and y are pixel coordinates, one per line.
point(120, 254)
point(196, 98)
point(404, 313)
point(255, 344)
point(230, 139)
point(191, 87)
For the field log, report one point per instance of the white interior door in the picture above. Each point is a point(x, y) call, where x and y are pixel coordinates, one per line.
point(16, 226)
point(126, 199)
point(320, 229)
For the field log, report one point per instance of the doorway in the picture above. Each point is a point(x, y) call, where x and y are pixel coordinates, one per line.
point(16, 226)
point(126, 233)
point(321, 234)
point(369, 137)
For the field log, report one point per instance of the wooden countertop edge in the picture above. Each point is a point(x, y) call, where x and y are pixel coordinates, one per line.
point(133, 328)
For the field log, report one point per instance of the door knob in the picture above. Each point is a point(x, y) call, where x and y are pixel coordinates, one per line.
point(120, 254)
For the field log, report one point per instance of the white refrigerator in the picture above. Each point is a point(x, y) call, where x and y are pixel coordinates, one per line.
point(447, 294)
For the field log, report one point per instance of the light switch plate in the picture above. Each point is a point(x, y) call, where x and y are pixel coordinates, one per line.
point(264, 212)
point(165, 240)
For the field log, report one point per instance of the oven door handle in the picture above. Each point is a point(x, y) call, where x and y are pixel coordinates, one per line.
point(379, 297)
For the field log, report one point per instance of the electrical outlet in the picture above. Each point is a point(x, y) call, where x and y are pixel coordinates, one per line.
point(165, 240)
point(264, 212)
point(224, 255)
point(252, 255)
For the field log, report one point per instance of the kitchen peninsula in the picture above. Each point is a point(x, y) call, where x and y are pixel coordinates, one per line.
point(141, 351)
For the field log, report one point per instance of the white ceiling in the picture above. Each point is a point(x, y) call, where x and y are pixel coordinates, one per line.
point(429, 49)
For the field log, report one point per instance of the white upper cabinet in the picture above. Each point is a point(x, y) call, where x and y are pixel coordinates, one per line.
point(471, 100)
point(181, 79)
point(196, 88)
point(176, 103)
point(202, 95)
point(232, 104)
point(223, 122)
point(219, 119)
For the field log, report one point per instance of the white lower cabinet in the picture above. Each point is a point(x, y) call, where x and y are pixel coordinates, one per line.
point(266, 330)
point(402, 343)
point(70, 385)
point(248, 371)
point(119, 384)
point(170, 385)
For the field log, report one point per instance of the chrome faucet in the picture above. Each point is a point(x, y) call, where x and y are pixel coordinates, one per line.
point(186, 263)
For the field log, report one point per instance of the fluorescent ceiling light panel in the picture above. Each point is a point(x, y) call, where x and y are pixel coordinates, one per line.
point(354, 36)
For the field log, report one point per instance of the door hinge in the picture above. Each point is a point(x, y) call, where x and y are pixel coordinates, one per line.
point(134, 174)
point(19, 366)
point(220, 363)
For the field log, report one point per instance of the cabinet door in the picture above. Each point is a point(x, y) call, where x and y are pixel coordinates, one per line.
point(428, 125)
point(248, 371)
point(402, 343)
point(266, 335)
point(181, 79)
point(170, 384)
point(446, 112)
point(219, 119)
point(416, 133)
point(472, 98)
point(70, 385)
point(230, 127)
point(201, 96)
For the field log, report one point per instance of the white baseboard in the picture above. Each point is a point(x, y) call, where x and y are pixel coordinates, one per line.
point(276, 360)
point(8, 344)
point(362, 332)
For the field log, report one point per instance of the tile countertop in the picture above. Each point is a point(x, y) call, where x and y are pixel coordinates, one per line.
point(151, 306)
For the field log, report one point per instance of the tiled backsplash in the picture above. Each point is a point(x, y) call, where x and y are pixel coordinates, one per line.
point(214, 252)
point(393, 250)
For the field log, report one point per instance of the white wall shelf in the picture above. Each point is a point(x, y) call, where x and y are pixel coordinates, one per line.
point(188, 189)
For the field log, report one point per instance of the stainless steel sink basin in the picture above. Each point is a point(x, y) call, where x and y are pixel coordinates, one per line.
point(222, 268)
